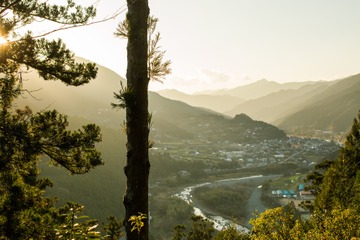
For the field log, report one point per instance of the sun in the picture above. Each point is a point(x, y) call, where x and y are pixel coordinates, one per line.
point(3, 44)
point(2, 40)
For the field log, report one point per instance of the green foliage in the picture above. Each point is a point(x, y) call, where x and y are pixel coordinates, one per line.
point(281, 223)
point(225, 199)
point(24, 213)
point(179, 232)
point(276, 223)
point(112, 228)
point(337, 224)
point(51, 59)
point(137, 222)
point(125, 97)
point(201, 229)
point(231, 233)
point(167, 212)
point(25, 136)
point(316, 179)
point(157, 67)
point(338, 185)
point(102, 186)
point(28, 11)
point(73, 225)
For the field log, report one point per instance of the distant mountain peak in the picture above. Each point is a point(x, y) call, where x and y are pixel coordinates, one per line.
point(243, 118)
point(263, 80)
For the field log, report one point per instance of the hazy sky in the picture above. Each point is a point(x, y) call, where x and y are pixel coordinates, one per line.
point(226, 43)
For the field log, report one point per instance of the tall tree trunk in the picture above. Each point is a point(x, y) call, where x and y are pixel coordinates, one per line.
point(138, 166)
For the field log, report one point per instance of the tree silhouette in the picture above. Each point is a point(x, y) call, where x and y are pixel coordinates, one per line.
point(26, 136)
point(135, 99)
point(145, 63)
point(158, 68)
point(338, 187)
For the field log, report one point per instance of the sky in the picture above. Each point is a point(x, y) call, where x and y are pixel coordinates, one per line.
point(216, 44)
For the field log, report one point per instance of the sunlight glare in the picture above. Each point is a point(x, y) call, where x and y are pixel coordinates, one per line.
point(2, 40)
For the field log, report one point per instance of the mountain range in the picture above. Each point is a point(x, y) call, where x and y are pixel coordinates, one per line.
point(315, 105)
point(91, 102)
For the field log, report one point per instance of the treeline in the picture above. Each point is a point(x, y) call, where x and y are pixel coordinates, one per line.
point(227, 201)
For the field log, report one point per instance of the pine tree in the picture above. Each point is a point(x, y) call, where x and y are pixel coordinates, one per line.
point(145, 63)
point(157, 67)
point(338, 189)
point(137, 130)
point(26, 136)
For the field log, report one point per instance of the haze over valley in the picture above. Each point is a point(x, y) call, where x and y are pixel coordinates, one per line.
point(221, 134)
point(293, 107)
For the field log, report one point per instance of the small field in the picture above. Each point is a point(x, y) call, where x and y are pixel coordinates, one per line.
point(287, 182)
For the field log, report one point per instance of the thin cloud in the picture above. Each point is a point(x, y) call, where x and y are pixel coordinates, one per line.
point(203, 80)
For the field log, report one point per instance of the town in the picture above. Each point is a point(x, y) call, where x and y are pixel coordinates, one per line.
point(305, 152)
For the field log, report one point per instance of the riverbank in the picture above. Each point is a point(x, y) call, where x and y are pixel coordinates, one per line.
point(221, 221)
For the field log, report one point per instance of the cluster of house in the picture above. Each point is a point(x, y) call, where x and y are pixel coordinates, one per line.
point(301, 193)
point(284, 193)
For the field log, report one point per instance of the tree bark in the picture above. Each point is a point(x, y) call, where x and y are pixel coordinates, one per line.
point(137, 128)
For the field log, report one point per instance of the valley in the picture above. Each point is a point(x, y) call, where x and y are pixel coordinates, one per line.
point(240, 121)
point(192, 145)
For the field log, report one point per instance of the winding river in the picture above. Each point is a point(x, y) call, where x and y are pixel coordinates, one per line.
point(219, 221)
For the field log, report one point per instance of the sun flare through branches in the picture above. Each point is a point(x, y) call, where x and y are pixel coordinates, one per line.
point(3, 40)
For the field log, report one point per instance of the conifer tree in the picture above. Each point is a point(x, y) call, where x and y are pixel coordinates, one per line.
point(137, 130)
point(338, 189)
point(157, 67)
point(145, 63)
point(26, 136)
